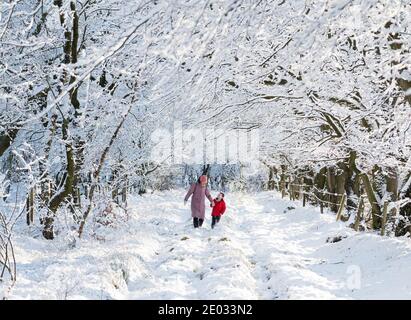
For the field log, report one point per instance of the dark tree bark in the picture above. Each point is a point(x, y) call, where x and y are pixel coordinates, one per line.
point(352, 187)
point(372, 198)
point(96, 173)
point(65, 191)
point(272, 173)
point(404, 225)
point(6, 139)
point(332, 187)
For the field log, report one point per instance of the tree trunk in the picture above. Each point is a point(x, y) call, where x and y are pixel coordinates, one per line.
point(340, 180)
point(96, 174)
point(6, 140)
point(372, 198)
point(359, 213)
point(271, 181)
point(283, 178)
point(320, 180)
point(392, 196)
point(30, 206)
point(61, 195)
point(403, 225)
point(352, 183)
point(332, 188)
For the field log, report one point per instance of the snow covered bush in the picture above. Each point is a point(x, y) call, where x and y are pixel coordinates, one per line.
point(107, 215)
point(8, 218)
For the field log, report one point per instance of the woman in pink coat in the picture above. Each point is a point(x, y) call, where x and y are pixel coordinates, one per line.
point(198, 191)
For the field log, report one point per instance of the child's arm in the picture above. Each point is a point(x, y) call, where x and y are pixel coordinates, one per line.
point(223, 207)
point(209, 197)
point(211, 205)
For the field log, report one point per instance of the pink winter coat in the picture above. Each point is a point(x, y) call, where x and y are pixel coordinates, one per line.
point(197, 201)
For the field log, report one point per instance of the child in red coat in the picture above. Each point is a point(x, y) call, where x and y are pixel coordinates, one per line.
point(218, 209)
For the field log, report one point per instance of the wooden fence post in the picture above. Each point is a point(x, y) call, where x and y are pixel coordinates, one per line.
point(384, 217)
point(341, 207)
point(359, 213)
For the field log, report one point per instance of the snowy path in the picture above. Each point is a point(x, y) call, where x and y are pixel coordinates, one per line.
point(261, 250)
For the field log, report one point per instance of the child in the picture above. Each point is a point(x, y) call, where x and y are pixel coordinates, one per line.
point(218, 209)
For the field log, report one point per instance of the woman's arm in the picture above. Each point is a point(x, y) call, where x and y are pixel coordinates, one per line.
point(208, 195)
point(190, 192)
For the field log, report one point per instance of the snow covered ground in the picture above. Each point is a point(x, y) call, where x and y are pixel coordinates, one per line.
point(262, 249)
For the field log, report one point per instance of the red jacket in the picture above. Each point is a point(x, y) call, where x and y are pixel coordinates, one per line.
point(219, 208)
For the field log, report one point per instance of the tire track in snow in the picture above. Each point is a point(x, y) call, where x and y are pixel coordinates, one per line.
point(282, 258)
point(254, 253)
point(197, 263)
point(260, 250)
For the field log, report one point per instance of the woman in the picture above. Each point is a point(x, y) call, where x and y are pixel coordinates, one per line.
point(199, 192)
